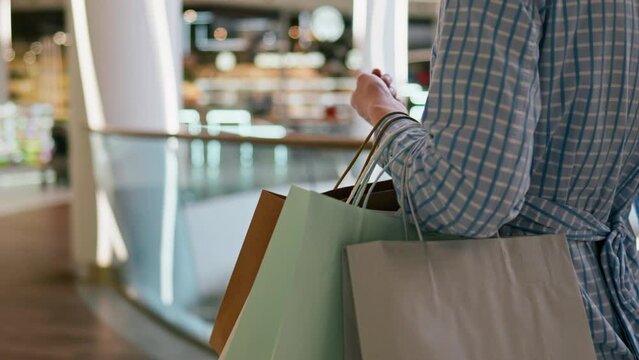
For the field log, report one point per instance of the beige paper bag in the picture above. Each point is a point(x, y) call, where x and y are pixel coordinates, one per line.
point(491, 299)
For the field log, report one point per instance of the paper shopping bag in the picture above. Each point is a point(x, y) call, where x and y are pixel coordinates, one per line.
point(255, 243)
point(497, 299)
point(222, 354)
point(248, 263)
point(294, 310)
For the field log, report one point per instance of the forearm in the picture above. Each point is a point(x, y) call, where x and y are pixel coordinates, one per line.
point(466, 171)
point(472, 200)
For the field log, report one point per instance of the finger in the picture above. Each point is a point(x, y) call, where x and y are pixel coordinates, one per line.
point(367, 78)
point(393, 92)
point(387, 79)
point(377, 72)
point(361, 80)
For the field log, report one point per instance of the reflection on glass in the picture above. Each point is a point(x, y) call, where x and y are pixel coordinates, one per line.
point(181, 230)
point(169, 212)
point(213, 154)
point(197, 153)
point(110, 241)
point(246, 155)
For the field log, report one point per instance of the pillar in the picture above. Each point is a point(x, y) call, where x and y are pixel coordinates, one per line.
point(125, 73)
point(380, 31)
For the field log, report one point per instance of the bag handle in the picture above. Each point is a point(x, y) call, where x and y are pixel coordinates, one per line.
point(397, 115)
point(372, 160)
point(404, 184)
point(368, 193)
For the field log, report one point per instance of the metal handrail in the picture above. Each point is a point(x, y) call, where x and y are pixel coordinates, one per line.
point(292, 139)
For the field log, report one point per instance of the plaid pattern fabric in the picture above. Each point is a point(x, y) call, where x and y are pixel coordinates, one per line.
point(532, 127)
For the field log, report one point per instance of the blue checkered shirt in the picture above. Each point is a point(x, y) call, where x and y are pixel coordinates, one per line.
point(532, 127)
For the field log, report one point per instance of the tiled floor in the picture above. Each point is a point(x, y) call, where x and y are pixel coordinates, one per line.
point(44, 314)
point(41, 315)
point(18, 198)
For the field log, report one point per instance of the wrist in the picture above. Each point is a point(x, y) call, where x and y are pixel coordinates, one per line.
point(379, 112)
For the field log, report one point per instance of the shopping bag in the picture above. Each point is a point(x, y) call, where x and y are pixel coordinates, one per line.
point(255, 243)
point(222, 354)
point(497, 299)
point(381, 196)
point(248, 263)
point(294, 309)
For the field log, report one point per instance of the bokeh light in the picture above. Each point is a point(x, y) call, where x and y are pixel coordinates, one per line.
point(60, 38)
point(220, 34)
point(294, 32)
point(190, 16)
point(225, 61)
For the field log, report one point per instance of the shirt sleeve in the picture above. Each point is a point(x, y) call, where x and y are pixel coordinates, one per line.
point(466, 170)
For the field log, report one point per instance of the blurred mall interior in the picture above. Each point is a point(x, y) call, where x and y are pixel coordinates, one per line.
point(135, 137)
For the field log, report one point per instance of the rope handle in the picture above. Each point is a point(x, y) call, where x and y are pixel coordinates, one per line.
point(397, 115)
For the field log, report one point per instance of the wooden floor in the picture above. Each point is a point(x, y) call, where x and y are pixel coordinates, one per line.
point(41, 314)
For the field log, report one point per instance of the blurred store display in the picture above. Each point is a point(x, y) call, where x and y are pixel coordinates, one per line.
point(37, 66)
point(32, 148)
point(33, 136)
point(271, 65)
point(293, 69)
point(25, 134)
point(38, 75)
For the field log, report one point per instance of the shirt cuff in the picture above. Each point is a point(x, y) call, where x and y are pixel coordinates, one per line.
point(401, 124)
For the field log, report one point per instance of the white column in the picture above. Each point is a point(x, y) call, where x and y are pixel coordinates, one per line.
point(136, 54)
point(126, 73)
point(83, 206)
point(380, 31)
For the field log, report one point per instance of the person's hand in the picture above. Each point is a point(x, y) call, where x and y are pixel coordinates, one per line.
point(388, 80)
point(375, 97)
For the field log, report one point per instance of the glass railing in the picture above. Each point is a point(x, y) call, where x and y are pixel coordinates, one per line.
point(173, 212)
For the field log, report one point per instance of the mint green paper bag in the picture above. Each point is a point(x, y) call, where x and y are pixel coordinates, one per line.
point(294, 310)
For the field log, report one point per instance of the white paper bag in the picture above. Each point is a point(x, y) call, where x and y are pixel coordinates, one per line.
point(492, 299)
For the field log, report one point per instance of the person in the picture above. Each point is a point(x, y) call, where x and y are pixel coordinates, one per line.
point(531, 127)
